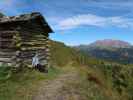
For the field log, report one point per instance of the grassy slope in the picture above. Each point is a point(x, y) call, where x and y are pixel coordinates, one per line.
point(121, 55)
point(98, 80)
point(21, 86)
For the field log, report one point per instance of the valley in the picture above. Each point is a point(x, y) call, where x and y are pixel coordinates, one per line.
point(111, 50)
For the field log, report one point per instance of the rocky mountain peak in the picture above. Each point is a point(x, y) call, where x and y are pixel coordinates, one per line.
point(111, 43)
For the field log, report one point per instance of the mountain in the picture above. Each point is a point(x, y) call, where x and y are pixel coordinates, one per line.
point(112, 50)
point(111, 43)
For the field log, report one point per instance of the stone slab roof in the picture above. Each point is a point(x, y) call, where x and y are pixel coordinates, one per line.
point(26, 18)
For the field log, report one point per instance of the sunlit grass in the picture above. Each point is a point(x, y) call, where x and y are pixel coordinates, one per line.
point(22, 85)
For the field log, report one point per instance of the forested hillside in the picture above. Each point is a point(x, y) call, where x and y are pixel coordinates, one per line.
point(111, 50)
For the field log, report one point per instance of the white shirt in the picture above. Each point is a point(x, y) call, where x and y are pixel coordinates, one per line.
point(35, 61)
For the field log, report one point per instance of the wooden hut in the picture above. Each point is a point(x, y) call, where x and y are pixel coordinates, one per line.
point(23, 36)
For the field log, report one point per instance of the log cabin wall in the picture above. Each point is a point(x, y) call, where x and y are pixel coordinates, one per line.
point(13, 42)
point(7, 48)
point(23, 36)
point(37, 43)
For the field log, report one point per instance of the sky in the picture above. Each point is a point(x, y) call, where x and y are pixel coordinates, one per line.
point(76, 22)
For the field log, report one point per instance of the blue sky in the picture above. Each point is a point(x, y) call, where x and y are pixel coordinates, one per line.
point(80, 21)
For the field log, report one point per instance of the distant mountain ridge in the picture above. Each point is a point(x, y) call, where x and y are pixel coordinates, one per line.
point(112, 50)
point(111, 43)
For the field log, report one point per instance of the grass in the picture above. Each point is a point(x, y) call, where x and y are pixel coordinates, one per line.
point(21, 86)
point(93, 85)
point(112, 77)
point(86, 89)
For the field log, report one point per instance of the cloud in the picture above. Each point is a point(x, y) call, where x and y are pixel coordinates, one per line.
point(4, 3)
point(94, 20)
point(75, 13)
point(8, 7)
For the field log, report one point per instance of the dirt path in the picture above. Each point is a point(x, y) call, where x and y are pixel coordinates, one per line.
point(57, 89)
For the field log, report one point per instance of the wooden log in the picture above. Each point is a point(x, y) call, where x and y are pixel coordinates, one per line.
point(2, 47)
point(7, 44)
point(7, 50)
point(47, 50)
point(33, 48)
point(6, 35)
point(6, 56)
point(34, 41)
point(42, 56)
point(6, 53)
point(8, 32)
point(5, 60)
point(5, 40)
point(32, 45)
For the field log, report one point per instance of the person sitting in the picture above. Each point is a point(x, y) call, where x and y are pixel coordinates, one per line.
point(36, 64)
point(35, 60)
